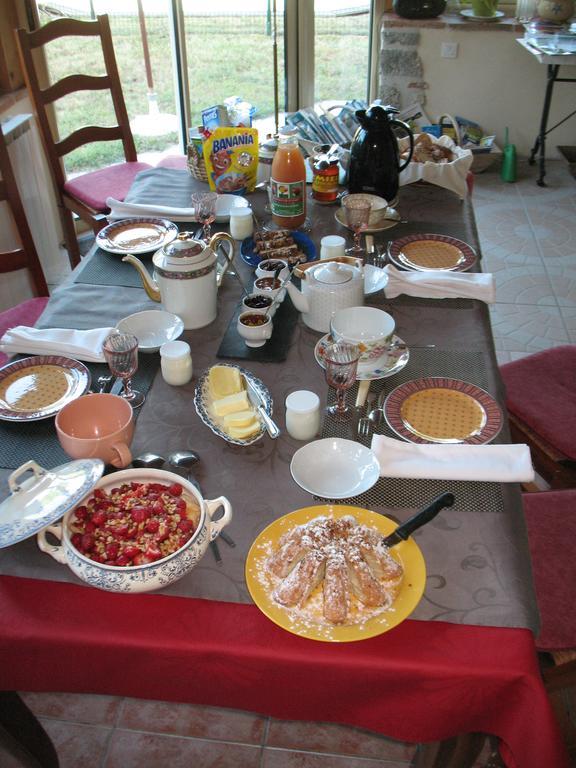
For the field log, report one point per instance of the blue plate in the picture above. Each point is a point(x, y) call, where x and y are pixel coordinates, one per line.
point(303, 241)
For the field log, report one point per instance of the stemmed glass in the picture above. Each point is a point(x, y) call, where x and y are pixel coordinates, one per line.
point(357, 212)
point(121, 353)
point(341, 361)
point(204, 204)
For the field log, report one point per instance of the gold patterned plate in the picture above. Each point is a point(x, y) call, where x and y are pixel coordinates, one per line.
point(138, 235)
point(439, 410)
point(261, 583)
point(422, 253)
point(36, 388)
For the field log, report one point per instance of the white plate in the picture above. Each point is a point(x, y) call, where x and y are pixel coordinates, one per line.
point(225, 203)
point(468, 13)
point(375, 279)
point(388, 223)
point(139, 234)
point(152, 328)
point(334, 468)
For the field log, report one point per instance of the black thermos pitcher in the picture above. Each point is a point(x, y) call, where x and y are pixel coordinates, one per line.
point(374, 155)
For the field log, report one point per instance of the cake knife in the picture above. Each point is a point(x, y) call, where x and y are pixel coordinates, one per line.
point(419, 519)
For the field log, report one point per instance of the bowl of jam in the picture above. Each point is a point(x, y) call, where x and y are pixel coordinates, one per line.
point(257, 302)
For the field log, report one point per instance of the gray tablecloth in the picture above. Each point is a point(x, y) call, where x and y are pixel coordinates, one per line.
point(477, 555)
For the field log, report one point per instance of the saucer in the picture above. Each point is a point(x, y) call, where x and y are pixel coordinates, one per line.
point(387, 223)
point(335, 468)
point(384, 366)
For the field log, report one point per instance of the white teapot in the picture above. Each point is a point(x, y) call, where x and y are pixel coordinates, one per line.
point(327, 288)
point(186, 277)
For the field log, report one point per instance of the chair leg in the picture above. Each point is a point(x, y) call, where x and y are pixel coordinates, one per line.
point(22, 729)
point(459, 752)
point(70, 237)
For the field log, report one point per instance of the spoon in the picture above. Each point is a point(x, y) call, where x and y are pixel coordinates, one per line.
point(186, 460)
point(376, 416)
point(148, 461)
point(278, 297)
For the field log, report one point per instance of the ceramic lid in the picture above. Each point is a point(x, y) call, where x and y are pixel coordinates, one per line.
point(182, 252)
point(334, 273)
point(42, 498)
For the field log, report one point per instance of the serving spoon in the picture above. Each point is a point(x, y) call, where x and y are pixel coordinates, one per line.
point(148, 461)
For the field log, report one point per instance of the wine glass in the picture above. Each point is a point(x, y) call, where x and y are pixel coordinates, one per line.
point(121, 353)
point(357, 212)
point(341, 361)
point(204, 204)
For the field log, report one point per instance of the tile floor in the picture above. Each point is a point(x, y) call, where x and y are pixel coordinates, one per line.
point(528, 238)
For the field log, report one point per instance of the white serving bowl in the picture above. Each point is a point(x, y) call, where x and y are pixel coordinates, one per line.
point(370, 328)
point(139, 578)
point(334, 468)
point(152, 328)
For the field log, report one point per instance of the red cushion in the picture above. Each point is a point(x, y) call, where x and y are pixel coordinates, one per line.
point(541, 390)
point(551, 523)
point(26, 313)
point(115, 181)
point(179, 162)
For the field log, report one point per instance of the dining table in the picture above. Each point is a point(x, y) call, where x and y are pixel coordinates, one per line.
point(463, 665)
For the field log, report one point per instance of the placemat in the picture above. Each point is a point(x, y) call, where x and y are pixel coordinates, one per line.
point(276, 348)
point(396, 492)
point(103, 268)
point(164, 186)
point(25, 440)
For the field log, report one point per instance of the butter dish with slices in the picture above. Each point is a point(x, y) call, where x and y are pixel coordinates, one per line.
point(233, 403)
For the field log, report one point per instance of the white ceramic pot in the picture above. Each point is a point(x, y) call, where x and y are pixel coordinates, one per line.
point(327, 288)
point(186, 277)
point(139, 578)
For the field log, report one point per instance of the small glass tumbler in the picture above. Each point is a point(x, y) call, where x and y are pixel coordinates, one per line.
point(341, 360)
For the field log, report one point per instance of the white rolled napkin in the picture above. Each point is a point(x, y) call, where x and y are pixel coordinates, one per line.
point(491, 463)
point(81, 345)
point(440, 284)
point(120, 210)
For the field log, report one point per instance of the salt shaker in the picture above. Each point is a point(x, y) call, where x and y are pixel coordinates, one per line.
point(176, 363)
point(303, 414)
point(241, 224)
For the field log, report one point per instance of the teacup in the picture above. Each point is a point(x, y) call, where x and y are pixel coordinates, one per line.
point(370, 328)
point(268, 267)
point(254, 328)
point(99, 426)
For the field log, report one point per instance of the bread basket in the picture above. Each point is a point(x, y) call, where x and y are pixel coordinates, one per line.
point(195, 162)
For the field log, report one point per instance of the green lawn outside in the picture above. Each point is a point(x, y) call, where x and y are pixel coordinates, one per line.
point(227, 56)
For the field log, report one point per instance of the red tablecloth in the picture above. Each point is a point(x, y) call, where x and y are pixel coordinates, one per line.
point(422, 681)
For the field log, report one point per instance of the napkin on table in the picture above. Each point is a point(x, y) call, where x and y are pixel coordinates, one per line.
point(491, 463)
point(440, 284)
point(81, 345)
point(120, 210)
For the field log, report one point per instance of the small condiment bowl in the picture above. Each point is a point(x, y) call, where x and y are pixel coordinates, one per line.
point(255, 328)
point(269, 286)
point(258, 302)
point(268, 267)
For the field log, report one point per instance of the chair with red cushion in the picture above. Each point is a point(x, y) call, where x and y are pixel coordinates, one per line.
point(541, 402)
point(84, 195)
point(25, 257)
point(551, 524)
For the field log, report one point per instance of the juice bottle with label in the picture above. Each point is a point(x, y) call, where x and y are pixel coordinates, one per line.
point(288, 182)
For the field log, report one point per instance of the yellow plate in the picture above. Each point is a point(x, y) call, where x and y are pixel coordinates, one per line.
point(259, 581)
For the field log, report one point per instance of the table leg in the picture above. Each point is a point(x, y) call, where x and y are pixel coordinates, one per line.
point(19, 727)
point(459, 752)
point(540, 143)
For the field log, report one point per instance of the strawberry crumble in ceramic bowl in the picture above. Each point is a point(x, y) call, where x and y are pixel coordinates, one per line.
point(137, 530)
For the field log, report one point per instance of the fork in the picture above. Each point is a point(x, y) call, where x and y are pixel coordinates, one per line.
point(380, 259)
point(364, 426)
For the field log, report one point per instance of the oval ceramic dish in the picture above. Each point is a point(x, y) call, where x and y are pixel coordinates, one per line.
point(302, 241)
point(204, 408)
point(152, 328)
point(335, 468)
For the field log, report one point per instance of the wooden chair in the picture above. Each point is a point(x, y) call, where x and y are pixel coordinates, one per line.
point(541, 403)
point(84, 195)
point(25, 257)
